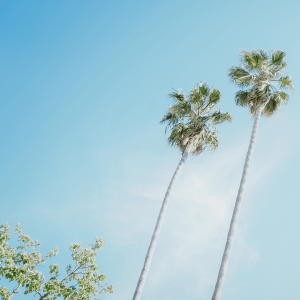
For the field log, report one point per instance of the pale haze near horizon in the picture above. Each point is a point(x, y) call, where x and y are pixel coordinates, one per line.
point(84, 86)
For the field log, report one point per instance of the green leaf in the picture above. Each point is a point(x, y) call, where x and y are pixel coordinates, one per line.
point(215, 96)
point(243, 98)
point(254, 59)
point(240, 76)
point(203, 89)
point(278, 57)
point(286, 82)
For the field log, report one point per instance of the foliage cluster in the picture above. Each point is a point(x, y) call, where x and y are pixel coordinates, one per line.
point(19, 264)
point(260, 77)
point(192, 119)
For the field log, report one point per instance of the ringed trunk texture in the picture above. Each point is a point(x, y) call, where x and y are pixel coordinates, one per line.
point(148, 259)
point(236, 211)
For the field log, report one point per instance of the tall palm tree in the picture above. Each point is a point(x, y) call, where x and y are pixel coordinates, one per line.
point(192, 120)
point(263, 92)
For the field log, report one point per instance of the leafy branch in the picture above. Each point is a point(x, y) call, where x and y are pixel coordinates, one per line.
point(19, 264)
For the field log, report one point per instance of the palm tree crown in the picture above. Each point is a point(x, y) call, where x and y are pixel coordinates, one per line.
point(260, 76)
point(192, 119)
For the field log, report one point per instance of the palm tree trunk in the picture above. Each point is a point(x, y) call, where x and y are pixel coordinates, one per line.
point(236, 211)
point(148, 259)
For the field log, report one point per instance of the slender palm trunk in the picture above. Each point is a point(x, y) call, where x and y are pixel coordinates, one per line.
point(148, 259)
point(236, 211)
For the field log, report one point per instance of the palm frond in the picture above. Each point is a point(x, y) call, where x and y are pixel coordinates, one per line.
point(177, 135)
point(177, 96)
point(181, 109)
point(278, 58)
point(273, 105)
point(254, 59)
point(218, 117)
point(286, 82)
point(203, 89)
point(243, 98)
point(196, 97)
point(277, 69)
point(198, 139)
point(215, 96)
point(171, 119)
point(240, 76)
point(276, 100)
point(284, 97)
point(200, 120)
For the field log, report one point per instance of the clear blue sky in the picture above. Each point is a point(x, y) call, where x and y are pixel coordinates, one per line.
point(84, 85)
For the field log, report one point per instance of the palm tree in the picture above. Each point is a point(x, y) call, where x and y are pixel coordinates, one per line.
point(192, 121)
point(263, 92)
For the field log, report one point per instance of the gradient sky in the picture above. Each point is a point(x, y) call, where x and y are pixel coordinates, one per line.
point(84, 85)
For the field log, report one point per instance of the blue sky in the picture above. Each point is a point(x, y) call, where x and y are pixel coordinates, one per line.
point(83, 88)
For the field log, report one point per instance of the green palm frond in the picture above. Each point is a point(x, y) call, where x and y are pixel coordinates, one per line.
point(284, 97)
point(192, 119)
point(202, 140)
point(243, 98)
point(215, 96)
point(240, 76)
point(171, 119)
point(218, 117)
point(276, 100)
point(276, 71)
point(254, 59)
point(196, 98)
point(203, 89)
point(200, 120)
point(177, 135)
point(286, 82)
point(261, 81)
point(278, 58)
point(272, 106)
point(182, 108)
point(177, 96)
